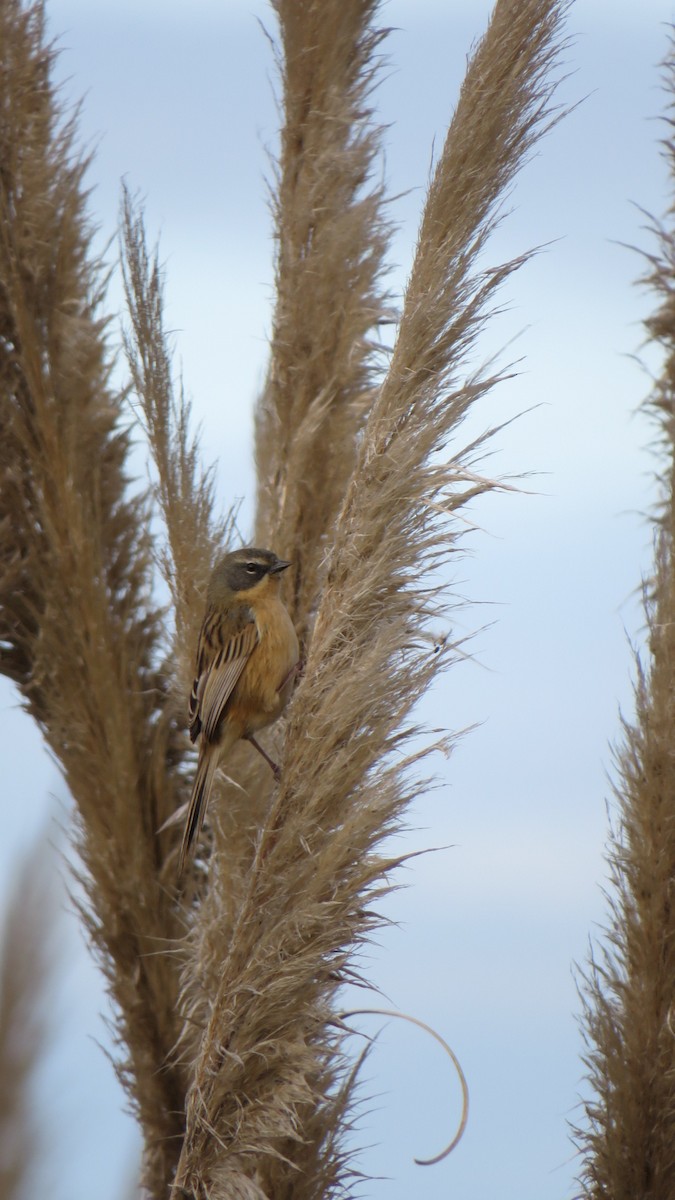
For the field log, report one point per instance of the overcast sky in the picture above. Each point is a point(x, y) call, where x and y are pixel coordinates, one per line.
point(178, 99)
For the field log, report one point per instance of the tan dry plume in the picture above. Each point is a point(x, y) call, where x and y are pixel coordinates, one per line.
point(331, 238)
point(28, 954)
point(260, 1119)
point(78, 630)
point(628, 1140)
point(184, 490)
point(185, 496)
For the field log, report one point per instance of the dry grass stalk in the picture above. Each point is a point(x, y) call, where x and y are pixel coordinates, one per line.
point(628, 1143)
point(261, 1120)
point(331, 239)
point(184, 490)
point(184, 493)
point(27, 956)
point(78, 631)
point(349, 485)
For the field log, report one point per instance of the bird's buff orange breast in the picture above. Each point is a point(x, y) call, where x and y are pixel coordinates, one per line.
point(266, 682)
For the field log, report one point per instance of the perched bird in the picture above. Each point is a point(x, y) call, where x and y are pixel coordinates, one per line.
point(246, 664)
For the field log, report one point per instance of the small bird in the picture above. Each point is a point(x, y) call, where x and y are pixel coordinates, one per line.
point(247, 657)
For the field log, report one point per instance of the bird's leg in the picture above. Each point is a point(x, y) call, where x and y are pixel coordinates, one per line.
point(292, 674)
point(276, 770)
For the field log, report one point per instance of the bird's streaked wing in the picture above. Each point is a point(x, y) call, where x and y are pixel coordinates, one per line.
point(224, 649)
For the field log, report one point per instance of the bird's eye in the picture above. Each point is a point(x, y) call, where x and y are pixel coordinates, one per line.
point(252, 568)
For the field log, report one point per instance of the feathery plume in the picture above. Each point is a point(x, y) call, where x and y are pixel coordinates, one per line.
point(332, 236)
point(79, 633)
point(184, 490)
point(27, 957)
point(261, 1118)
point(628, 1142)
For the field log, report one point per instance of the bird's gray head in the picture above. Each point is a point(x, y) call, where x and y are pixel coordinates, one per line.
point(243, 570)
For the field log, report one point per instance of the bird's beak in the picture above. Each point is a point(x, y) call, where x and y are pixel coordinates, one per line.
point(279, 566)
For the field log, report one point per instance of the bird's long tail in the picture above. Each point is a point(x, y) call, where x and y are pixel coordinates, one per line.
point(206, 769)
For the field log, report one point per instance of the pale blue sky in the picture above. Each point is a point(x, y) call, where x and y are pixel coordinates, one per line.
point(178, 99)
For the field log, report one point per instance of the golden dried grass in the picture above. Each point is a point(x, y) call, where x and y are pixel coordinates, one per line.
point(28, 953)
point(355, 483)
point(79, 633)
point(184, 489)
point(332, 234)
point(261, 1117)
point(628, 1140)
